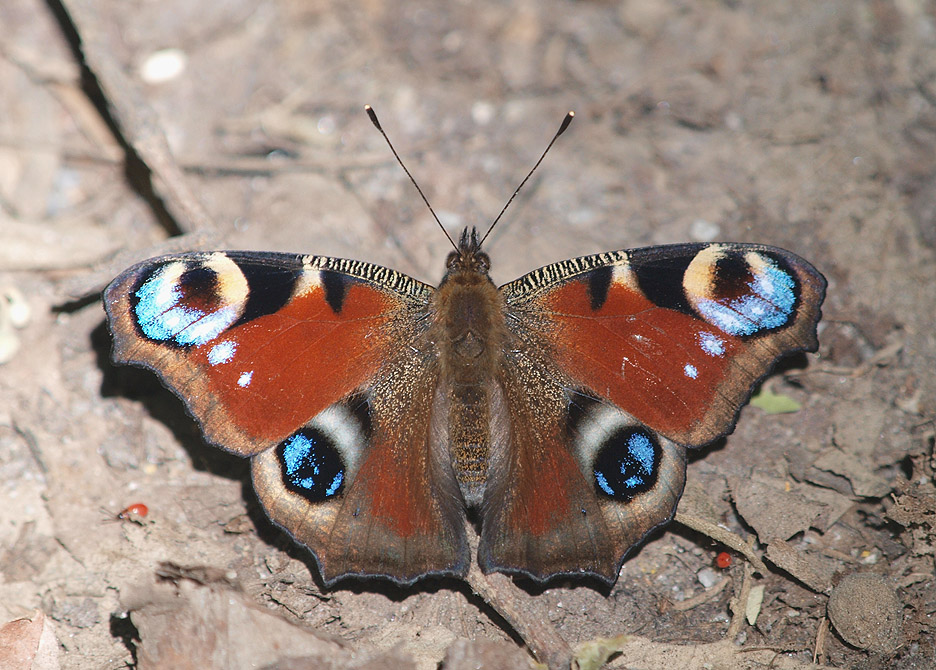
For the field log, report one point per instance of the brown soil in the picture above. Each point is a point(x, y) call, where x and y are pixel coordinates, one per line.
point(810, 126)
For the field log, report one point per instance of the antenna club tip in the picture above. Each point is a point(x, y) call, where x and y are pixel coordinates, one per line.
point(372, 115)
point(565, 123)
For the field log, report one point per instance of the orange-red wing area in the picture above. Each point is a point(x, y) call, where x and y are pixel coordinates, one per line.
point(645, 359)
point(299, 360)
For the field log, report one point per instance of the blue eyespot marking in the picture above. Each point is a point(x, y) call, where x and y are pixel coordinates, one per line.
point(627, 464)
point(768, 305)
point(222, 352)
point(603, 484)
point(244, 380)
point(711, 343)
point(163, 314)
point(691, 371)
point(312, 466)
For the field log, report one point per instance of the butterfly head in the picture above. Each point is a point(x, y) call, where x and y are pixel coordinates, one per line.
point(467, 259)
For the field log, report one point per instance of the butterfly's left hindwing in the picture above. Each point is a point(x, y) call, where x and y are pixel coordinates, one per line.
point(639, 354)
point(307, 364)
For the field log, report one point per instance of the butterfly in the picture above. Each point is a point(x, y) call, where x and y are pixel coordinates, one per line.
point(380, 414)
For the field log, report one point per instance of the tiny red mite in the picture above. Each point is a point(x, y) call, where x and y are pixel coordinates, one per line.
point(723, 560)
point(133, 512)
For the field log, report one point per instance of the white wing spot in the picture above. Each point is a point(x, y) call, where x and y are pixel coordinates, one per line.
point(711, 344)
point(222, 352)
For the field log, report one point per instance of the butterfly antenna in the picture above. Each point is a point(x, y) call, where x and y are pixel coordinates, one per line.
point(562, 128)
point(373, 117)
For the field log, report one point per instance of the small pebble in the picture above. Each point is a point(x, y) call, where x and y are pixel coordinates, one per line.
point(14, 313)
point(866, 612)
point(162, 66)
point(708, 577)
point(704, 231)
point(17, 307)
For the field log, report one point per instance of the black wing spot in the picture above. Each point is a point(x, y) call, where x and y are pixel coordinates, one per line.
point(627, 464)
point(311, 465)
point(732, 275)
point(661, 278)
point(599, 282)
point(268, 290)
point(198, 279)
point(335, 287)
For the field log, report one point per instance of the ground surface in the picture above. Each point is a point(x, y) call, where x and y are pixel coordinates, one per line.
point(810, 126)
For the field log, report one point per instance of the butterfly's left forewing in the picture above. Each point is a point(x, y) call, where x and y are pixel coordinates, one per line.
point(256, 344)
point(307, 364)
point(640, 354)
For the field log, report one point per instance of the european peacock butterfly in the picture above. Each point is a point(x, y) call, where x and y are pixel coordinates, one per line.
point(378, 410)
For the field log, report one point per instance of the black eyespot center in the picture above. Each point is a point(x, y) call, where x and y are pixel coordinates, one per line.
point(312, 465)
point(627, 464)
point(733, 275)
point(199, 287)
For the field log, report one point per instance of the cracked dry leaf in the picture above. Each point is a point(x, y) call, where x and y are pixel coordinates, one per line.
point(814, 571)
point(29, 643)
point(640, 652)
point(592, 655)
point(864, 483)
point(184, 625)
point(778, 509)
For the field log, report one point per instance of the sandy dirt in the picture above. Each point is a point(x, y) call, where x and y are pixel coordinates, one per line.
point(809, 126)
